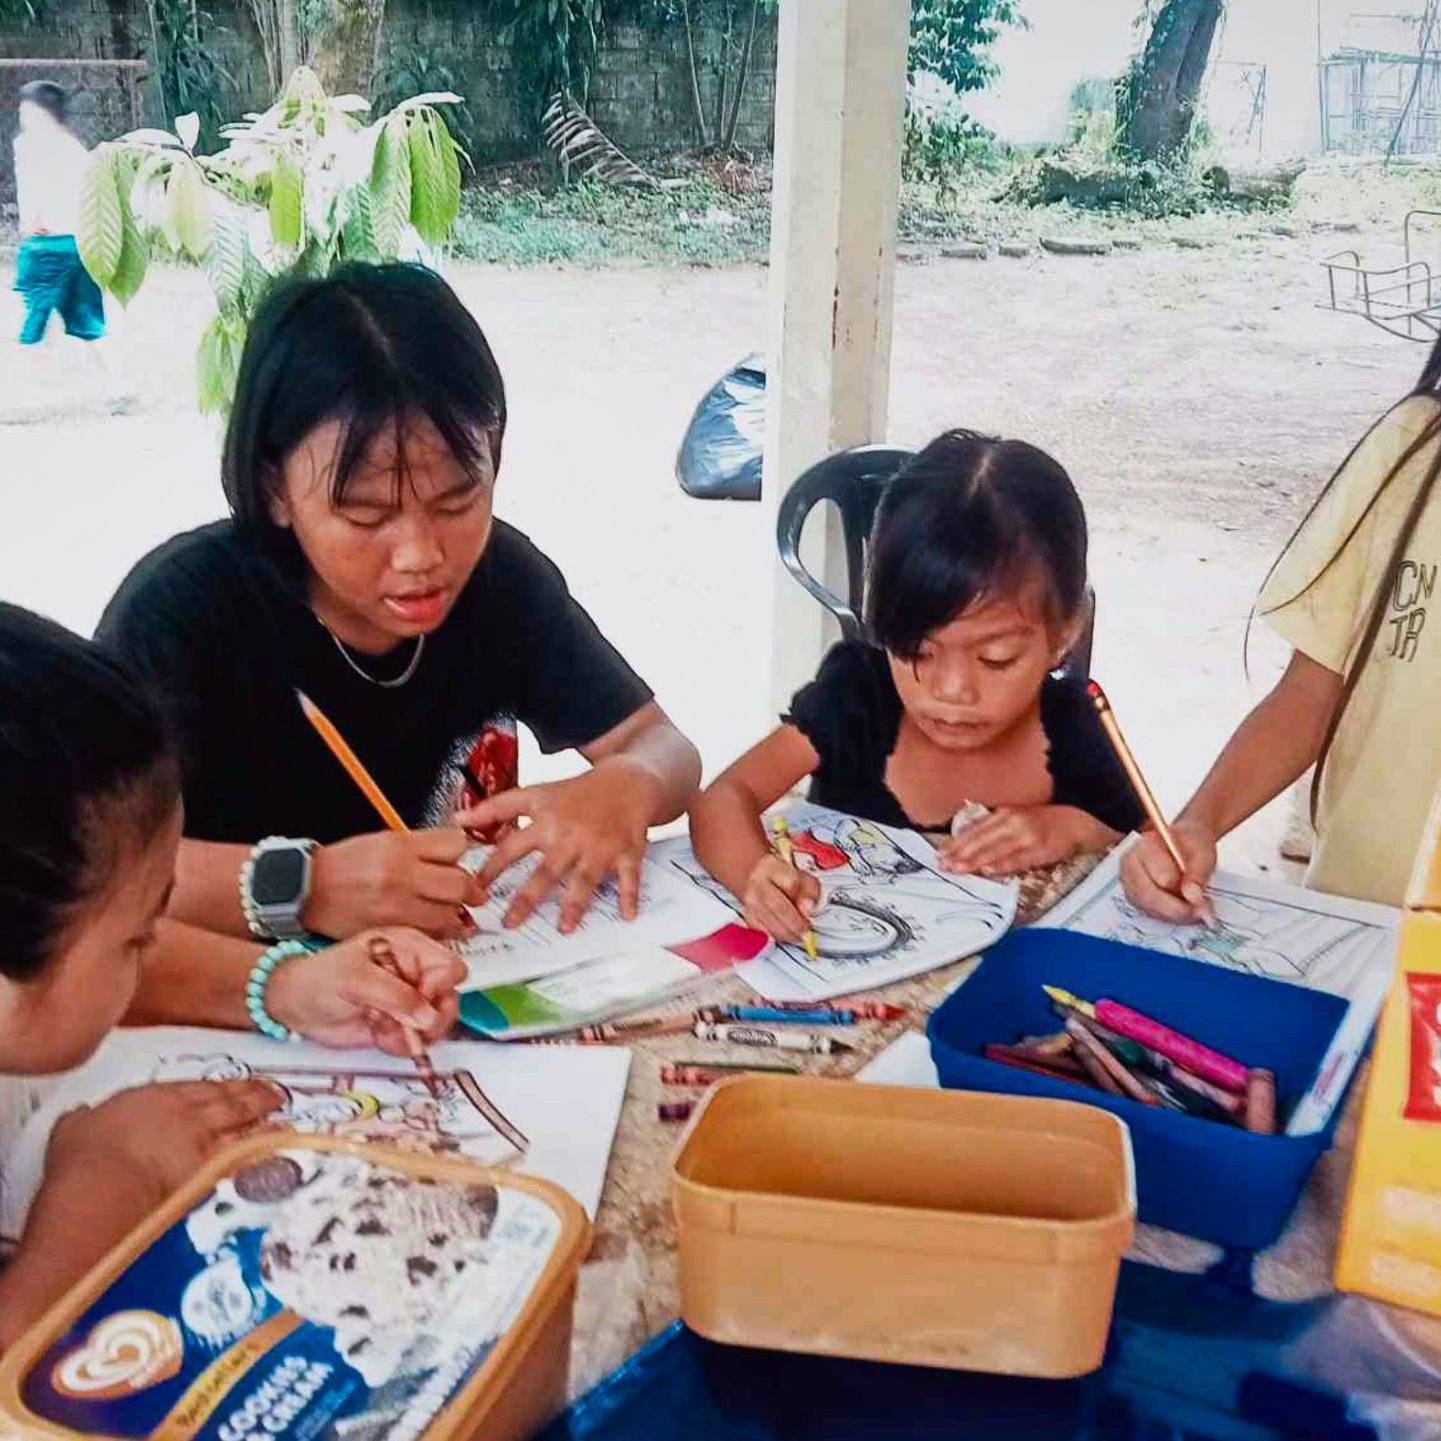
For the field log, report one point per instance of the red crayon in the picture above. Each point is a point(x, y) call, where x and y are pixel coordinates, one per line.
point(1023, 1060)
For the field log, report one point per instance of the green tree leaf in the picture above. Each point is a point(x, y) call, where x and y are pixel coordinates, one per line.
point(390, 183)
point(101, 240)
point(287, 201)
point(225, 264)
point(191, 213)
point(134, 261)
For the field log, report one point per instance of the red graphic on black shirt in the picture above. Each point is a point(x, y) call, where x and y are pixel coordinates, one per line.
point(491, 766)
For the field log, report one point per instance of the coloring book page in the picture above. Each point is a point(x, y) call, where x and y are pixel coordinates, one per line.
point(886, 912)
point(670, 911)
point(1268, 928)
point(546, 1112)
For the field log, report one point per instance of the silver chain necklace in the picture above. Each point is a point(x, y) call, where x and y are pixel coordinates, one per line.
point(396, 681)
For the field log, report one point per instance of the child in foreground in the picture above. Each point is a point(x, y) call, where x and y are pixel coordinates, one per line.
point(1353, 594)
point(975, 594)
point(90, 820)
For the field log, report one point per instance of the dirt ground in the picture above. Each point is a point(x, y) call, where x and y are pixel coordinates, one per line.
point(1198, 397)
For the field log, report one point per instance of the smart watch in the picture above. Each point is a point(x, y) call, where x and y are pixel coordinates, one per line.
point(274, 887)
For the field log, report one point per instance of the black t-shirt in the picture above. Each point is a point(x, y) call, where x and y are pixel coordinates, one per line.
point(227, 642)
point(851, 714)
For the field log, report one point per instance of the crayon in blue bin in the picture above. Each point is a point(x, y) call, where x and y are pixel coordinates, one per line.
point(1196, 1176)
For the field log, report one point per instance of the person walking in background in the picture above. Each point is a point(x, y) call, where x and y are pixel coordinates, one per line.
point(50, 166)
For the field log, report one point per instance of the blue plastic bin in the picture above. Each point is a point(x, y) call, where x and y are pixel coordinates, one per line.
point(1200, 1177)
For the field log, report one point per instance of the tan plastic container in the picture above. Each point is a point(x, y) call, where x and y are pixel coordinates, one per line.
point(933, 1228)
point(518, 1387)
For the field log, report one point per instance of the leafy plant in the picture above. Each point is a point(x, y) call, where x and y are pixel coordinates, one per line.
point(582, 145)
point(940, 149)
point(949, 39)
point(411, 67)
point(554, 44)
point(190, 76)
point(302, 188)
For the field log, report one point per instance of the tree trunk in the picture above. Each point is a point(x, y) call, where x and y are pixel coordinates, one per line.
point(346, 45)
point(287, 40)
point(728, 140)
point(1161, 93)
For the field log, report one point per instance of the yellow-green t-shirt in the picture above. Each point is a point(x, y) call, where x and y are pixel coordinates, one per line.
point(1385, 760)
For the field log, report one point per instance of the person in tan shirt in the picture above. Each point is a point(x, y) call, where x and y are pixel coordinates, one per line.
point(1355, 594)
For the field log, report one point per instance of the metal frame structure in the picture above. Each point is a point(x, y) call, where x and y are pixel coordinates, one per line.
point(1404, 300)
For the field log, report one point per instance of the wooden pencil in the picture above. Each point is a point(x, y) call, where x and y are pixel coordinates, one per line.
point(1142, 787)
point(784, 847)
point(340, 749)
point(384, 956)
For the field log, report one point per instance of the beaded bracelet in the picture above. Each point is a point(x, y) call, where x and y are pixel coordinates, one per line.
point(269, 962)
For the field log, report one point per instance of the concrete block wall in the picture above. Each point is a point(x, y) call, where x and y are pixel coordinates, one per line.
point(640, 91)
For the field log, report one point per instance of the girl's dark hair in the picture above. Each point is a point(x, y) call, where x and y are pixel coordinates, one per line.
point(1428, 386)
point(371, 346)
point(86, 770)
point(969, 518)
point(48, 96)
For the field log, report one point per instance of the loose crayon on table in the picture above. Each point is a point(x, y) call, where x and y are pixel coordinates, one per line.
point(674, 1110)
point(613, 1033)
point(680, 1073)
point(1261, 1101)
point(781, 842)
point(762, 1036)
point(1088, 1043)
point(778, 1016)
point(861, 1010)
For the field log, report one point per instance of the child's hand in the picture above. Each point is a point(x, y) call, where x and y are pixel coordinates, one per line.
point(1013, 839)
point(779, 899)
point(1152, 882)
point(586, 830)
point(340, 997)
point(144, 1142)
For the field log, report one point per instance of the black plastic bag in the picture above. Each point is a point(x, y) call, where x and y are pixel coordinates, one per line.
point(720, 457)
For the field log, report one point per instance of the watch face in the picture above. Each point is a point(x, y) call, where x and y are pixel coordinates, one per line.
point(277, 877)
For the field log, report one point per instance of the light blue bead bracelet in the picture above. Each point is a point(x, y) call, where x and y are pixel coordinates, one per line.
point(266, 966)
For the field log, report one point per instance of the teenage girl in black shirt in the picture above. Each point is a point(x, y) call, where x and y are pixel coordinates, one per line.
point(976, 587)
point(363, 564)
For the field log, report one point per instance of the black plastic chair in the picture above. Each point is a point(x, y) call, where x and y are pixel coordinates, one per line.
point(854, 481)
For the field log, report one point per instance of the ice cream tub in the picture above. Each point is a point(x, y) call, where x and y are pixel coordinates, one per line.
point(316, 1288)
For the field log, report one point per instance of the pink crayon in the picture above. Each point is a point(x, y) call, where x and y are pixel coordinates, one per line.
point(1190, 1055)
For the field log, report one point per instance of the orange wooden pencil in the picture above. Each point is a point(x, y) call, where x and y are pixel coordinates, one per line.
point(369, 788)
point(342, 752)
point(1142, 787)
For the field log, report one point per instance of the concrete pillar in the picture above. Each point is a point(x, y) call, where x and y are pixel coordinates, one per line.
point(840, 99)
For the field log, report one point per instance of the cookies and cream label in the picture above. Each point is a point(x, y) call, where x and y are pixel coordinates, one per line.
point(310, 1296)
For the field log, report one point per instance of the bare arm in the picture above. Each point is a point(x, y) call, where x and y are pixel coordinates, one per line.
point(1270, 749)
point(194, 978)
point(725, 819)
point(657, 755)
point(731, 843)
point(207, 887)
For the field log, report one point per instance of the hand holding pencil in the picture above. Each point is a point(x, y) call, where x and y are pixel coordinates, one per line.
point(779, 898)
point(1175, 874)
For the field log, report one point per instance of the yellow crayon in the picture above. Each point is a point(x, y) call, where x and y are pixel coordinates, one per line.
point(787, 852)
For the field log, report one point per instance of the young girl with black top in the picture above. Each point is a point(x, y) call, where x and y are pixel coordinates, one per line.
point(975, 592)
point(363, 565)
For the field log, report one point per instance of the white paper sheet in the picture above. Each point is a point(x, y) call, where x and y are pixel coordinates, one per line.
point(671, 911)
point(887, 912)
point(1269, 928)
point(546, 1112)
